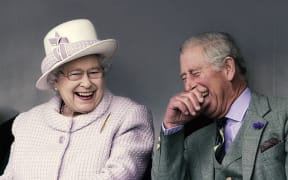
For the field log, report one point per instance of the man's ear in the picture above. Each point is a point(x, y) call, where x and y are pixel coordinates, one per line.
point(229, 68)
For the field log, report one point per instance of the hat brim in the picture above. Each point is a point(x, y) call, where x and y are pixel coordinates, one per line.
point(106, 48)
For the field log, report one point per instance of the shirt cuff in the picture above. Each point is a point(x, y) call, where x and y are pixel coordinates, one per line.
point(171, 130)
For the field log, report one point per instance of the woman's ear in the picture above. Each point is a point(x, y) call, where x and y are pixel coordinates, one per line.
point(229, 67)
point(55, 86)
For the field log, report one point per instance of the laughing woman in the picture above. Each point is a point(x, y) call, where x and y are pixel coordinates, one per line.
point(84, 132)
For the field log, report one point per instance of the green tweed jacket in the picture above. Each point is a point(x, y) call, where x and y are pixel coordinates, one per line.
point(264, 148)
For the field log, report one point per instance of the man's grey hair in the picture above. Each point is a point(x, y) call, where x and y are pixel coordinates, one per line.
point(53, 75)
point(217, 46)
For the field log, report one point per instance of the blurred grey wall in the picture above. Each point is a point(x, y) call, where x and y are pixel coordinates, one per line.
point(149, 33)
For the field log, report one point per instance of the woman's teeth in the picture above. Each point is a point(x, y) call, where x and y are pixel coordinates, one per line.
point(84, 94)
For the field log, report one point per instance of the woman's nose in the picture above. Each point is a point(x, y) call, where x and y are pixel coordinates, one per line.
point(85, 81)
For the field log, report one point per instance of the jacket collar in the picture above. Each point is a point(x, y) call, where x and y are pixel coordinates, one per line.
point(256, 112)
point(70, 124)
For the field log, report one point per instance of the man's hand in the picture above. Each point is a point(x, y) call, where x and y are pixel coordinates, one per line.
point(185, 107)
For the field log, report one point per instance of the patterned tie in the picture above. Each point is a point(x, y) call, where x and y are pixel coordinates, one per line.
point(219, 147)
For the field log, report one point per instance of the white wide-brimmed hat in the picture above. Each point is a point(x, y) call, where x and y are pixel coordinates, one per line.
point(69, 41)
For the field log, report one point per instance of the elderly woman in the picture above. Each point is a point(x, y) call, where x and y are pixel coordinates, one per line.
point(84, 132)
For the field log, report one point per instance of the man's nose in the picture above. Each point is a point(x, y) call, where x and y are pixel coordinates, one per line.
point(190, 84)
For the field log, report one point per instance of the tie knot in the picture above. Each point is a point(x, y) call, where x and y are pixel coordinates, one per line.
point(221, 122)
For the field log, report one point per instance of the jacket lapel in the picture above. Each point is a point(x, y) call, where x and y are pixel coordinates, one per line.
point(257, 109)
point(235, 151)
point(206, 153)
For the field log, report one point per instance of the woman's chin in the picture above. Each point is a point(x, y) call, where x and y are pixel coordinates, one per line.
point(85, 110)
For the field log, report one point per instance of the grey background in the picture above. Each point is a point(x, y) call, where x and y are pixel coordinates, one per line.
point(149, 32)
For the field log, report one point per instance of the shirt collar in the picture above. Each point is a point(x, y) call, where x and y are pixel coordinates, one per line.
point(239, 106)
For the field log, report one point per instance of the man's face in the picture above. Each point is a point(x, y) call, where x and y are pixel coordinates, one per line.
point(196, 71)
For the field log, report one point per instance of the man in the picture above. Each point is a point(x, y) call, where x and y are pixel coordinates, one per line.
point(250, 144)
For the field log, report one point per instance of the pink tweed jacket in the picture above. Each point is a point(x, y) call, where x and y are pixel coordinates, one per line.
point(114, 141)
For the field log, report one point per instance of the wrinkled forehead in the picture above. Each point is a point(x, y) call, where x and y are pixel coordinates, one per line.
point(192, 58)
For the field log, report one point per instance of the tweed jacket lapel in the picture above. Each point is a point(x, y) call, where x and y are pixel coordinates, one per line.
point(257, 109)
point(235, 151)
point(206, 155)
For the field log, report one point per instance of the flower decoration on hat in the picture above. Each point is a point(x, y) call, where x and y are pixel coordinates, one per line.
point(258, 125)
point(60, 53)
point(58, 39)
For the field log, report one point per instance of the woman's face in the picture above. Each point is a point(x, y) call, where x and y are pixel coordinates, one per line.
point(81, 85)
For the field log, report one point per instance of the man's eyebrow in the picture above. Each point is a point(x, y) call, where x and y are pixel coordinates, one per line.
point(96, 67)
point(182, 74)
point(189, 70)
